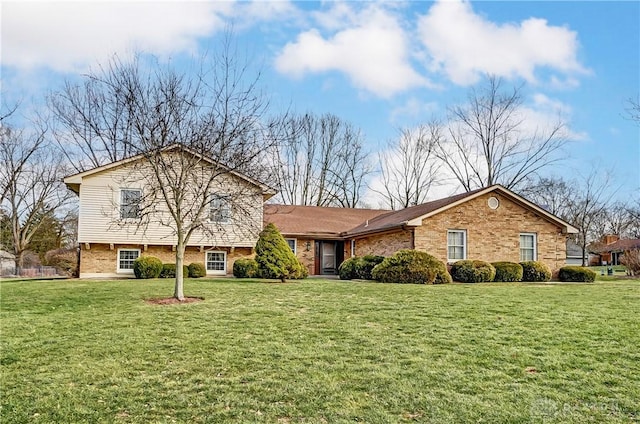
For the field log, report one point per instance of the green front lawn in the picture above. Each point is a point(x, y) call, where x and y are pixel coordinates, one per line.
point(319, 351)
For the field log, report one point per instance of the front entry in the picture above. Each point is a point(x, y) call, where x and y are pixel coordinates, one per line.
point(329, 256)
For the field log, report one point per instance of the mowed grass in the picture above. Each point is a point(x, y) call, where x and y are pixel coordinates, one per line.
point(319, 351)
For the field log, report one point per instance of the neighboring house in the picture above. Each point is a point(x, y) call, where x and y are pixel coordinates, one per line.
point(491, 224)
point(610, 249)
point(7, 262)
point(111, 237)
point(575, 254)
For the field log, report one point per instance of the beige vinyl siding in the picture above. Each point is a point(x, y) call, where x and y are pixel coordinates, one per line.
point(99, 215)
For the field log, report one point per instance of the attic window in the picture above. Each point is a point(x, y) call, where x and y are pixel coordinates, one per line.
point(130, 203)
point(493, 202)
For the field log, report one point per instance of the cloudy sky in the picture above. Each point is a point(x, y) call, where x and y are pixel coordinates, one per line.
point(380, 65)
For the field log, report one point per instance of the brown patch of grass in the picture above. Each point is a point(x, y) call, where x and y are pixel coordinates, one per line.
point(173, 300)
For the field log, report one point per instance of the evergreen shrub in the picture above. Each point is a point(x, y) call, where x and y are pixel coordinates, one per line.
point(147, 267)
point(411, 266)
point(535, 271)
point(197, 270)
point(577, 274)
point(507, 271)
point(275, 258)
point(169, 271)
point(245, 268)
point(467, 271)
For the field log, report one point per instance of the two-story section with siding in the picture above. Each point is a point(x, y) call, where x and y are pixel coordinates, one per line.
point(112, 231)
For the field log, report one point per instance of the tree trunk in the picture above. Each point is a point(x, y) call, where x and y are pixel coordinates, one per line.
point(179, 288)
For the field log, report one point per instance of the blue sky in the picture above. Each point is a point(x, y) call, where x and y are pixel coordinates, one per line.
point(380, 65)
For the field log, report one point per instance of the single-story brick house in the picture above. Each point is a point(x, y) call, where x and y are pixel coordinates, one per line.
point(610, 249)
point(491, 224)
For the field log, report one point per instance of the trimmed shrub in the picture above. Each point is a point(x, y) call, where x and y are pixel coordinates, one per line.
point(347, 269)
point(275, 258)
point(467, 271)
point(535, 271)
point(169, 271)
point(577, 274)
point(411, 266)
point(147, 267)
point(507, 271)
point(365, 265)
point(245, 268)
point(197, 270)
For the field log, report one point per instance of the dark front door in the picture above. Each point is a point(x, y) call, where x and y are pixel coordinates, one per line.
point(329, 256)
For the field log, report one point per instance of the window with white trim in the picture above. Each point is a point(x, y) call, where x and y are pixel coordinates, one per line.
point(292, 244)
point(528, 247)
point(220, 209)
point(130, 203)
point(126, 258)
point(216, 263)
point(353, 248)
point(456, 245)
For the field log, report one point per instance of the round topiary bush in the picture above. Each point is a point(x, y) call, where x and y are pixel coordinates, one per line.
point(411, 266)
point(245, 268)
point(535, 271)
point(507, 271)
point(347, 269)
point(577, 274)
point(169, 271)
point(147, 267)
point(275, 258)
point(365, 265)
point(197, 270)
point(467, 271)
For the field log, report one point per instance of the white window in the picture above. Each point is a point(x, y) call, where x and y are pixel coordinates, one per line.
point(292, 244)
point(220, 209)
point(216, 263)
point(130, 203)
point(126, 258)
point(528, 250)
point(353, 248)
point(456, 245)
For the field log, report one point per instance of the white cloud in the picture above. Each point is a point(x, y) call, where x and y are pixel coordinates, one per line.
point(411, 110)
point(465, 45)
point(373, 52)
point(67, 36)
point(544, 113)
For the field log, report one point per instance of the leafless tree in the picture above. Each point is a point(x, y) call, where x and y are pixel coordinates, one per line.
point(486, 141)
point(193, 133)
point(409, 169)
point(322, 162)
point(633, 109)
point(583, 202)
point(30, 181)
point(553, 194)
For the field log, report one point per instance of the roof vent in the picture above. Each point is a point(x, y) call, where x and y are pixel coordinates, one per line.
point(366, 224)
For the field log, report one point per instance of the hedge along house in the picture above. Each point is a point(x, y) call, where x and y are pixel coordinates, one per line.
point(315, 233)
point(490, 224)
point(113, 231)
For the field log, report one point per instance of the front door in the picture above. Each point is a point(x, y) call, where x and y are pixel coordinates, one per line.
point(329, 255)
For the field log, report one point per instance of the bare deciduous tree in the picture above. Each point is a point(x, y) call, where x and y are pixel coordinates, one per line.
point(486, 142)
point(30, 182)
point(409, 169)
point(322, 162)
point(193, 133)
point(583, 202)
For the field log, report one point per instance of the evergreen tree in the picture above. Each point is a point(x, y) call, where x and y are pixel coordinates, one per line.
point(275, 258)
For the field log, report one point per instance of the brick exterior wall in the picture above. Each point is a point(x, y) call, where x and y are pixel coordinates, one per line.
point(101, 259)
point(492, 235)
point(384, 244)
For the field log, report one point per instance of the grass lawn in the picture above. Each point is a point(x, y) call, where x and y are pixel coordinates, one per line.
point(319, 351)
